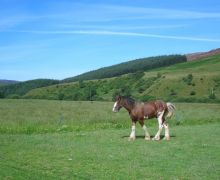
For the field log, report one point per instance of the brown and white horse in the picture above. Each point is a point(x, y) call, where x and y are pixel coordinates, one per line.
point(139, 111)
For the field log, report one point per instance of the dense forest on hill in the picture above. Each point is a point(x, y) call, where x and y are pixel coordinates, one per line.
point(7, 82)
point(19, 89)
point(143, 64)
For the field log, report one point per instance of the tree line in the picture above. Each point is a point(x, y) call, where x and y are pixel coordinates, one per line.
point(21, 88)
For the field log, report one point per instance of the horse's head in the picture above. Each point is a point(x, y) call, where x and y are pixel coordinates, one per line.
point(118, 104)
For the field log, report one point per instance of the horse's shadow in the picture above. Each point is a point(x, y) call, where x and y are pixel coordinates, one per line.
point(142, 136)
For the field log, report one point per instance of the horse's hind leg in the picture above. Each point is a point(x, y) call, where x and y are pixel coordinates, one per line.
point(147, 135)
point(167, 133)
point(160, 123)
point(132, 135)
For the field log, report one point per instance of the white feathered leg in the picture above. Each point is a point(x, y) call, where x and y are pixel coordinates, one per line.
point(132, 135)
point(167, 133)
point(157, 136)
point(147, 135)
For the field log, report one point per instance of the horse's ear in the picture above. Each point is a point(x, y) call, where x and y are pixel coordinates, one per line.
point(118, 98)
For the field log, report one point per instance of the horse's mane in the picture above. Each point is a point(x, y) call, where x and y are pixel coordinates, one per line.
point(129, 100)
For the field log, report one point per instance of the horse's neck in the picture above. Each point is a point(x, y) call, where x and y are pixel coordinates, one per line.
point(128, 106)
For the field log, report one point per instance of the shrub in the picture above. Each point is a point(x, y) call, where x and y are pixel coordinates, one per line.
point(147, 98)
point(123, 91)
point(2, 95)
point(188, 79)
point(141, 89)
point(192, 93)
point(60, 96)
point(212, 96)
point(159, 75)
point(14, 96)
point(173, 93)
point(217, 82)
point(114, 94)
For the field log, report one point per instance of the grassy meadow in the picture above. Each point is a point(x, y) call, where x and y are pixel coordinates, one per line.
point(41, 139)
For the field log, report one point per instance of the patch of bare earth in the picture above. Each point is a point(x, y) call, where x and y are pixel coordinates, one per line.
point(199, 55)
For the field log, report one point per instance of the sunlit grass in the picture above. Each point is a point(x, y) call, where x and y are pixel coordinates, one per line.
point(192, 153)
point(43, 116)
point(42, 139)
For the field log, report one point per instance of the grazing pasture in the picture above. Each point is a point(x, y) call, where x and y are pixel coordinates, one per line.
point(42, 139)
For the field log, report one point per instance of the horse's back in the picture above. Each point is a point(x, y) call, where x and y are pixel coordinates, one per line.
point(154, 107)
point(160, 105)
point(150, 109)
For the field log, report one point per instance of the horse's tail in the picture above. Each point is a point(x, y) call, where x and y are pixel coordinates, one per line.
point(171, 108)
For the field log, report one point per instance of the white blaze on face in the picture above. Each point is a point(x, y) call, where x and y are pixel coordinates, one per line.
point(114, 107)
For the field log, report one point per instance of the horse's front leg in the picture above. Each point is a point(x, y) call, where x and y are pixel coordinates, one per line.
point(146, 133)
point(132, 135)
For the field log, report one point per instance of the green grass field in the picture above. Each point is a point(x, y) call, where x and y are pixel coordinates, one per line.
point(42, 139)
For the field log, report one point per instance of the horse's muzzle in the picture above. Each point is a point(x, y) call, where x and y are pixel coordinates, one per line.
point(115, 110)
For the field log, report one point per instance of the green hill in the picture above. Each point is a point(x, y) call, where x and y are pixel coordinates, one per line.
point(194, 81)
point(7, 82)
point(19, 89)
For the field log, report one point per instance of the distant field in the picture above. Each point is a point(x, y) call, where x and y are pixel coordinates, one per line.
point(44, 116)
point(42, 139)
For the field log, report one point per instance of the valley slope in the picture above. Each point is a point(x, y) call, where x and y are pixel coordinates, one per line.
point(170, 78)
point(194, 81)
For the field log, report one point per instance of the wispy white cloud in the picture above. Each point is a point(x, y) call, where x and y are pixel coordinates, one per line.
point(121, 27)
point(116, 33)
point(80, 13)
point(104, 12)
point(145, 35)
point(154, 13)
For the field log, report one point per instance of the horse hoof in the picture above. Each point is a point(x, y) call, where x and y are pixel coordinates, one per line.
point(166, 138)
point(131, 139)
point(147, 138)
point(156, 139)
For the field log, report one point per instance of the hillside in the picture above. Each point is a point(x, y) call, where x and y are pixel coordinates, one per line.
point(19, 89)
point(199, 55)
point(194, 81)
point(7, 82)
point(129, 67)
point(139, 65)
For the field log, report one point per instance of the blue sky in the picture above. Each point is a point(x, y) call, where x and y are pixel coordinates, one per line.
point(59, 39)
